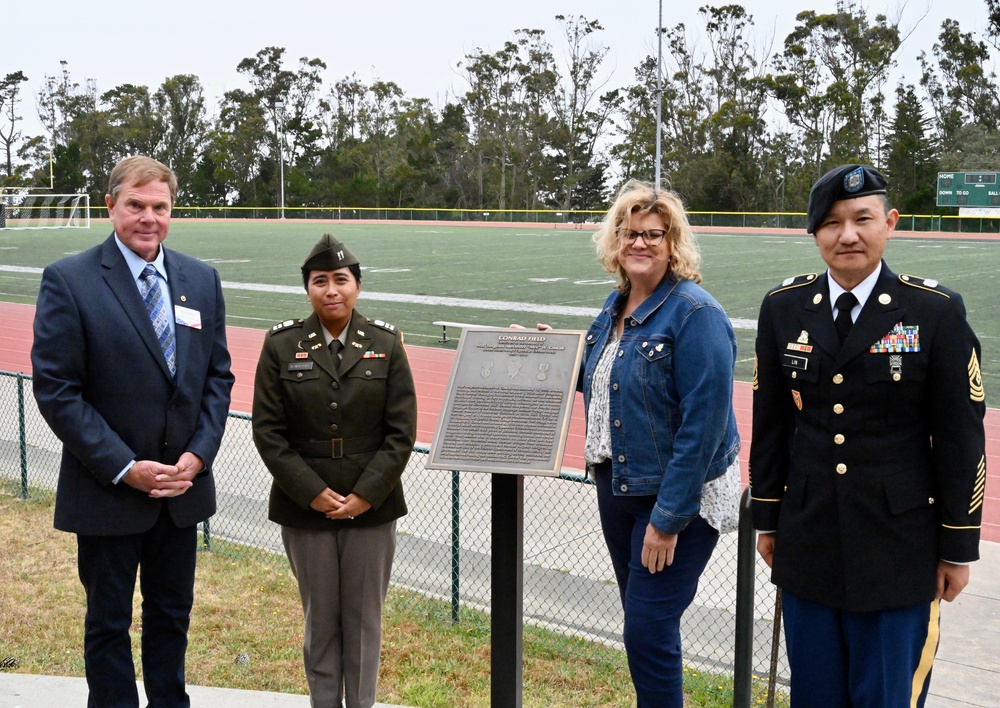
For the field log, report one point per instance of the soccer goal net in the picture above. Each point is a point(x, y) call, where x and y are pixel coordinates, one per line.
point(44, 211)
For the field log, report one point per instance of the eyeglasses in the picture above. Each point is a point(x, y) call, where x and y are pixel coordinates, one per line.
point(652, 237)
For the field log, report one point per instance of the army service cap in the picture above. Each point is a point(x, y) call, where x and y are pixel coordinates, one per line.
point(328, 254)
point(844, 182)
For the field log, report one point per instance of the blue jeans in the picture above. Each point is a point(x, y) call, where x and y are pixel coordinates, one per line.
point(653, 602)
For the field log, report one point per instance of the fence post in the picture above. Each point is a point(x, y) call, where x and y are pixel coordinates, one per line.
point(455, 547)
point(746, 551)
point(206, 535)
point(22, 435)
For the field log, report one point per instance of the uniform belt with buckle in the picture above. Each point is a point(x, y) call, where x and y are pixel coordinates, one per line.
point(337, 447)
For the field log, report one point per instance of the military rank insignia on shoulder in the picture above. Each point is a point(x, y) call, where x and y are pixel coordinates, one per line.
point(383, 325)
point(796, 281)
point(928, 284)
point(286, 324)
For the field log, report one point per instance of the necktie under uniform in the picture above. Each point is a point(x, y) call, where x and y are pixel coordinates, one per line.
point(335, 347)
point(152, 297)
point(843, 322)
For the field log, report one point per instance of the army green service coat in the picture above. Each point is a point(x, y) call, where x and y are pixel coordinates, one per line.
point(351, 431)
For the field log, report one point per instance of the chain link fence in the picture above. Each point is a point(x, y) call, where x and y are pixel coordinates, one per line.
point(443, 548)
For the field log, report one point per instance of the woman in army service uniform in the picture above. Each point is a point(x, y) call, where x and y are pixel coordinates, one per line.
point(334, 419)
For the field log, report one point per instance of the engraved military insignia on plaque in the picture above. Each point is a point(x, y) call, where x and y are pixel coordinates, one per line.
point(487, 369)
point(543, 371)
point(513, 367)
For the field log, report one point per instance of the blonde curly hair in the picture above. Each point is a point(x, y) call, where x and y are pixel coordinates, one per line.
point(637, 197)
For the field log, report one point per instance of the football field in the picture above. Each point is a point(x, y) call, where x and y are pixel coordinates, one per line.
point(416, 274)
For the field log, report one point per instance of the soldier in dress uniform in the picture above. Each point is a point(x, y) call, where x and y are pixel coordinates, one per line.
point(867, 466)
point(334, 419)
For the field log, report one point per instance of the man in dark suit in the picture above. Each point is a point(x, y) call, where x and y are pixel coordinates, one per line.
point(867, 465)
point(131, 372)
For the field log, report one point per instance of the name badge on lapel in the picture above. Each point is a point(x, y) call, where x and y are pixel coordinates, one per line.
point(187, 317)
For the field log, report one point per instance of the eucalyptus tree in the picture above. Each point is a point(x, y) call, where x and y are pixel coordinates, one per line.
point(10, 134)
point(416, 172)
point(713, 131)
point(453, 147)
point(633, 124)
point(494, 105)
point(288, 100)
point(134, 121)
point(339, 112)
point(59, 101)
point(829, 81)
point(239, 166)
point(960, 89)
point(180, 102)
point(540, 77)
point(376, 115)
point(736, 94)
point(581, 116)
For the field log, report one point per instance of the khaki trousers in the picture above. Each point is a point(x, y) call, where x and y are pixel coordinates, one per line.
point(343, 579)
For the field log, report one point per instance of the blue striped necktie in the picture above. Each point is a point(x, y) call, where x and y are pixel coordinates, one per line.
point(152, 296)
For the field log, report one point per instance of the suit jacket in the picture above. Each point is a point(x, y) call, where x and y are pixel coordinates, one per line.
point(351, 430)
point(104, 388)
point(868, 460)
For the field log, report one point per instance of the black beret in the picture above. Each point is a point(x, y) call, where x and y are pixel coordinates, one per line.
point(328, 254)
point(844, 182)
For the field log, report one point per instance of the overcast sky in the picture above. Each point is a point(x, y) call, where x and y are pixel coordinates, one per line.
point(415, 44)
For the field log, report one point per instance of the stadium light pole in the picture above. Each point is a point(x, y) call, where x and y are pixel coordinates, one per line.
point(280, 106)
point(659, 93)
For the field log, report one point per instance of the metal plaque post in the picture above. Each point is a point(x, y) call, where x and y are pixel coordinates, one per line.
point(507, 412)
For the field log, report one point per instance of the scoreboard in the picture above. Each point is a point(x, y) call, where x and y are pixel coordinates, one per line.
point(968, 189)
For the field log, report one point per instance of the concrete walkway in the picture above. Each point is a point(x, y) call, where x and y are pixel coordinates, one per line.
point(967, 668)
point(27, 691)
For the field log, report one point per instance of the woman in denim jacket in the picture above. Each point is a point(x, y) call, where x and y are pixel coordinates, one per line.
point(661, 432)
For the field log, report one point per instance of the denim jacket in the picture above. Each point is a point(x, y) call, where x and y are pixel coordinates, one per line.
point(671, 401)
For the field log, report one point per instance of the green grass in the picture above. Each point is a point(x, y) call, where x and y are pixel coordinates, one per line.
point(521, 264)
point(248, 605)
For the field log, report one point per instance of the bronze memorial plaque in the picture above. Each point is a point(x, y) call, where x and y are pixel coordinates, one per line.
point(509, 401)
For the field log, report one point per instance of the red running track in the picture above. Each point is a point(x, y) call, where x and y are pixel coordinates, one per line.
point(431, 368)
